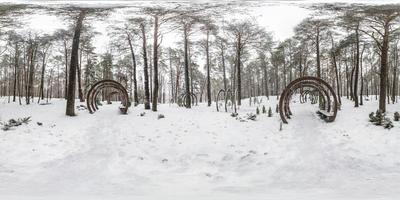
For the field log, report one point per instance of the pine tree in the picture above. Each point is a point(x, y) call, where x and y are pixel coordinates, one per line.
point(264, 111)
point(257, 111)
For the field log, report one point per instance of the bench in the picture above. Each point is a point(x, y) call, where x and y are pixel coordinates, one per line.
point(327, 116)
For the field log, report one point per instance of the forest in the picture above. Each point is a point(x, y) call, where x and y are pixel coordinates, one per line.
point(204, 92)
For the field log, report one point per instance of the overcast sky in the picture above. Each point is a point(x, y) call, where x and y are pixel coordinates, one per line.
point(277, 16)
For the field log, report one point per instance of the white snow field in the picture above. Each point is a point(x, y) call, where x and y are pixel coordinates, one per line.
point(196, 154)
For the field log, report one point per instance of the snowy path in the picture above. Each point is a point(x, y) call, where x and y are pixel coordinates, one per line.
point(197, 154)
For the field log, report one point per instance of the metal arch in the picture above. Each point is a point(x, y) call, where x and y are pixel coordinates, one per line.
point(306, 93)
point(303, 84)
point(218, 97)
point(92, 95)
point(228, 95)
point(322, 91)
point(182, 99)
point(99, 86)
point(320, 85)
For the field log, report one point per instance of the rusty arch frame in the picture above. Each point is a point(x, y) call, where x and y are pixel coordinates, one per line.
point(228, 95)
point(182, 99)
point(97, 91)
point(323, 93)
point(317, 84)
point(307, 94)
point(96, 88)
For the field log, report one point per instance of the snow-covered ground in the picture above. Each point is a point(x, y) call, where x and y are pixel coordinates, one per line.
point(197, 154)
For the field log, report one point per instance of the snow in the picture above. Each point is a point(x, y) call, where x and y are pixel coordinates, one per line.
point(197, 154)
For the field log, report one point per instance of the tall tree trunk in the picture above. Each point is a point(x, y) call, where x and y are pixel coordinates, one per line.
point(66, 69)
point(321, 106)
point(384, 70)
point(395, 78)
point(187, 81)
point(357, 67)
point(155, 65)
point(16, 60)
point(80, 92)
point(223, 65)
point(41, 95)
point(33, 50)
point(134, 80)
point(208, 70)
point(70, 109)
point(238, 70)
point(145, 70)
point(333, 53)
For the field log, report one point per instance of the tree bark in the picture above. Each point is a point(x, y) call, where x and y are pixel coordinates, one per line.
point(187, 81)
point(134, 80)
point(208, 70)
point(384, 69)
point(357, 67)
point(145, 69)
point(70, 109)
point(155, 65)
point(238, 71)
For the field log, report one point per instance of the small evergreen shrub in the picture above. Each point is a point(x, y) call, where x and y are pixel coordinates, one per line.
point(160, 116)
point(14, 123)
point(269, 112)
point(264, 110)
point(396, 116)
point(277, 108)
point(379, 119)
point(251, 116)
point(257, 111)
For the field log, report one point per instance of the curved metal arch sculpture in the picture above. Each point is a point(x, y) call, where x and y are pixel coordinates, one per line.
point(182, 99)
point(228, 95)
point(96, 88)
point(319, 86)
point(306, 95)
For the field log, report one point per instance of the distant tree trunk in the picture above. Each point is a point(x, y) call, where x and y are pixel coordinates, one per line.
point(357, 67)
point(362, 76)
point(395, 78)
point(208, 70)
point(70, 110)
point(321, 106)
point(134, 80)
point(172, 97)
point(223, 65)
point(145, 69)
point(32, 57)
point(80, 92)
point(16, 60)
point(238, 70)
point(187, 81)
point(155, 65)
point(333, 54)
point(66, 69)
point(41, 95)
